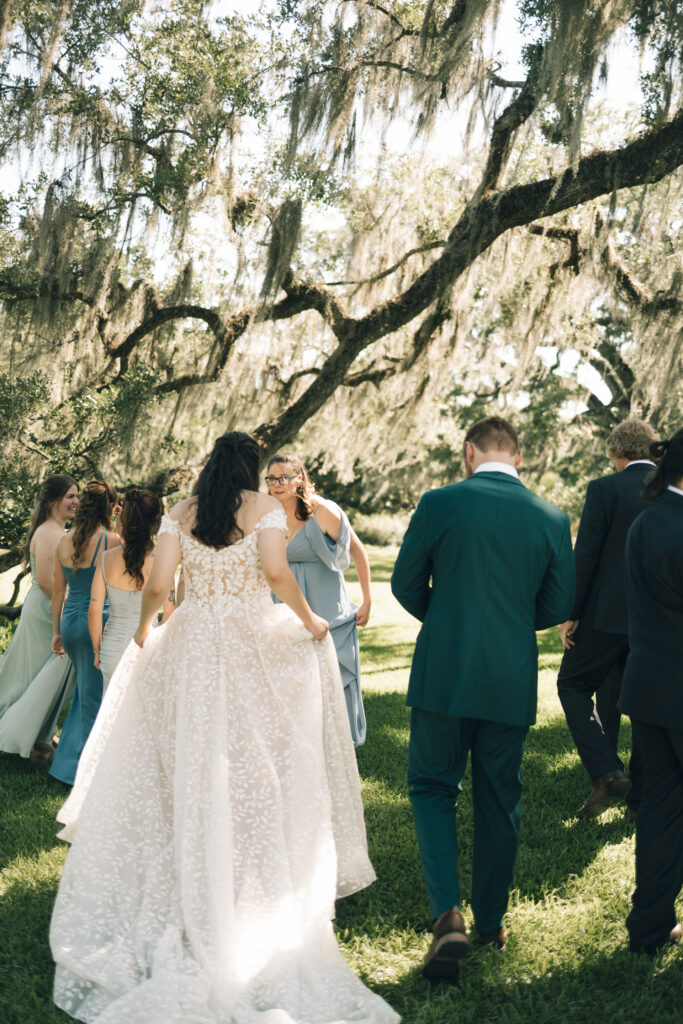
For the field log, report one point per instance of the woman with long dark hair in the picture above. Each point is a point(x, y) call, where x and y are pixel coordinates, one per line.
point(119, 580)
point(321, 545)
point(653, 697)
point(75, 560)
point(223, 814)
point(34, 683)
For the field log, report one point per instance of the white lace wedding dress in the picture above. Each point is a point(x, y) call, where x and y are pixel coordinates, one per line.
point(215, 816)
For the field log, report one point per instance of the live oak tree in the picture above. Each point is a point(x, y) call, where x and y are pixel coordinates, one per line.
point(205, 223)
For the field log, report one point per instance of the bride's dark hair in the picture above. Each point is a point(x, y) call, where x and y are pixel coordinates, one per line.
point(232, 468)
point(669, 458)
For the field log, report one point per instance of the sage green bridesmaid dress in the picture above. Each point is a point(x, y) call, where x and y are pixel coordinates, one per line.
point(35, 684)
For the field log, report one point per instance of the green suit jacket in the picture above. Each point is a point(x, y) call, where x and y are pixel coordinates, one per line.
point(501, 567)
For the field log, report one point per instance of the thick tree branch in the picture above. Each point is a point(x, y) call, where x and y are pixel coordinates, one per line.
point(8, 559)
point(571, 235)
point(225, 331)
point(9, 611)
point(646, 159)
point(504, 128)
point(633, 291)
point(369, 377)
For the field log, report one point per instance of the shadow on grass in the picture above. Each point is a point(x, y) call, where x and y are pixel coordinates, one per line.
point(380, 655)
point(549, 641)
point(30, 802)
point(26, 970)
point(383, 560)
point(612, 986)
point(554, 844)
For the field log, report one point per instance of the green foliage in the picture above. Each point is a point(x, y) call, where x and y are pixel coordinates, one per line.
point(22, 400)
point(78, 436)
point(191, 158)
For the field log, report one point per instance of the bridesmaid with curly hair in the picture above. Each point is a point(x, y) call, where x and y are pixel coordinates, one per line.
point(75, 561)
point(320, 545)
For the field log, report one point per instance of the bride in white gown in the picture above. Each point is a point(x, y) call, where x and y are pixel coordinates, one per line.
point(217, 812)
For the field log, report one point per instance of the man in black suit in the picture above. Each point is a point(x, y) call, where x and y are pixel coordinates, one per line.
point(595, 637)
point(653, 697)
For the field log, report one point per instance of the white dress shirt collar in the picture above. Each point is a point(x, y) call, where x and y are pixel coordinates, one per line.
point(497, 467)
point(639, 462)
point(676, 490)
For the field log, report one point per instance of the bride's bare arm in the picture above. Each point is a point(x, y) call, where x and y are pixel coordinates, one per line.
point(273, 552)
point(166, 560)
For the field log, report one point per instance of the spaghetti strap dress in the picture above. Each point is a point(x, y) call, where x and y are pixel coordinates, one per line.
point(88, 693)
point(124, 615)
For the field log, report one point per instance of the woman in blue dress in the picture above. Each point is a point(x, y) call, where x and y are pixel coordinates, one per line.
point(34, 683)
point(75, 561)
point(320, 545)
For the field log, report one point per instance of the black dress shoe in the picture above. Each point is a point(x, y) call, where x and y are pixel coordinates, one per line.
point(608, 787)
point(448, 947)
point(497, 938)
point(674, 936)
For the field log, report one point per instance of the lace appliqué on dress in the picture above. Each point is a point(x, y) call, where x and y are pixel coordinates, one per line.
point(219, 814)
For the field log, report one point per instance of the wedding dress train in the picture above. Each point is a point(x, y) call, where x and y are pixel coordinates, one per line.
point(215, 817)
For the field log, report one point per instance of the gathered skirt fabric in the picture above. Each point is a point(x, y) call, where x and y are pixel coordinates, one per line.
point(35, 684)
point(216, 816)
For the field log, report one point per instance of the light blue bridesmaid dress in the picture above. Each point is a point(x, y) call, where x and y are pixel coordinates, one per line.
point(318, 563)
point(78, 645)
point(35, 684)
point(124, 616)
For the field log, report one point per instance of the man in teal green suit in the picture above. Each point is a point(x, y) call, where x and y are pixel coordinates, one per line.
point(500, 563)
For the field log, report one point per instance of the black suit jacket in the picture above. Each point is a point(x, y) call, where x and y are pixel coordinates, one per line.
point(612, 503)
point(653, 677)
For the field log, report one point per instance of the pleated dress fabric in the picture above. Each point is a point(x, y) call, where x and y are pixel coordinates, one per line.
point(124, 616)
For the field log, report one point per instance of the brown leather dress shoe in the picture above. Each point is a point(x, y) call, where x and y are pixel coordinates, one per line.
point(448, 947)
point(611, 786)
point(497, 938)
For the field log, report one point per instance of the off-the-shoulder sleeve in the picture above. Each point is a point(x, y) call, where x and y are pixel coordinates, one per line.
point(335, 554)
point(169, 525)
point(275, 520)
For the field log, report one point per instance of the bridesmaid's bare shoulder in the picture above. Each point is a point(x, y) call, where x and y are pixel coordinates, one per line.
point(184, 511)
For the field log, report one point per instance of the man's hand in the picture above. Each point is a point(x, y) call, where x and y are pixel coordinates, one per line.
point(567, 630)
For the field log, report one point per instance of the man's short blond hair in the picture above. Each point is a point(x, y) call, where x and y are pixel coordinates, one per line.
point(631, 440)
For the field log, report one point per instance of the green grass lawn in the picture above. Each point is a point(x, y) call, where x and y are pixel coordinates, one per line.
point(566, 959)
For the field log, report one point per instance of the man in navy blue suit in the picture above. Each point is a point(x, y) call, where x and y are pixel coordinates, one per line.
point(595, 637)
point(653, 697)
